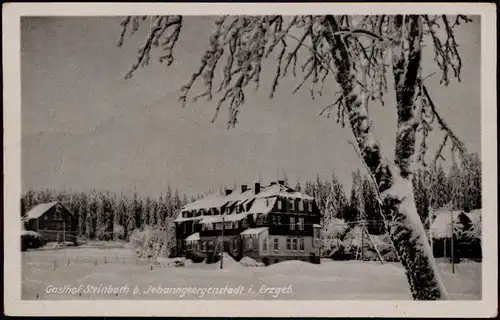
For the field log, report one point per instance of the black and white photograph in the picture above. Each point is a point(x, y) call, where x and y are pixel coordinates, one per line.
point(228, 156)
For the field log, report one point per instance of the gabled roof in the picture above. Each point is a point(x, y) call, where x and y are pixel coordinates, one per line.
point(40, 209)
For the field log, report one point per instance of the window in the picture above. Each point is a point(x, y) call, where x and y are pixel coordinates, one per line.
point(228, 225)
point(278, 220)
point(203, 227)
point(301, 244)
point(235, 245)
point(288, 244)
point(316, 233)
point(249, 241)
point(301, 223)
point(264, 244)
point(294, 244)
point(218, 226)
point(185, 227)
point(276, 244)
point(210, 245)
point(192, 227)
point(310, 207)
point(292, 223)
point(301, 206)
point(204, 246)
point(275, 220)
point(280, 204)
point(292, 204)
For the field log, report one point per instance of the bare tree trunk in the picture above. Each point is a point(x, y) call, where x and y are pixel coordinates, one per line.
point(393, 181)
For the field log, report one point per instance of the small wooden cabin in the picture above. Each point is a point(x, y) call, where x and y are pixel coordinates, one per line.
point(53, 221)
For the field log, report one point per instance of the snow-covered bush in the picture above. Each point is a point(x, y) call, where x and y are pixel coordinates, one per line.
point(196, 257)
point(249, 262)
point(152, 242)
point(351, 243)
point(29, 240)
point(118, 231)
point(332, 236)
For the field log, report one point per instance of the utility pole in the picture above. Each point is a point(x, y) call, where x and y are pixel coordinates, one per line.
point(430, 230)
point(222, 245)
point(452, 244)
point(362, 239)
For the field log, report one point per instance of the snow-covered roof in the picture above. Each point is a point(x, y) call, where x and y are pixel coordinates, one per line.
point(211, 219)
point(316, 225)
point(254, 231)
point(182, 219)
point(40, 209)
point(263, 201)
point(441, 226)
point(211, 201)
point(194, 237)
point(262, 205)
point(227, 218)
point(216, 201)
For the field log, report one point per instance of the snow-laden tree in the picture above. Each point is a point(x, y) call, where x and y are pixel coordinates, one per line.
point(360, 53)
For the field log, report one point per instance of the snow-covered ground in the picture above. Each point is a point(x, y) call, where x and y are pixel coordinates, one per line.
point(115, 273)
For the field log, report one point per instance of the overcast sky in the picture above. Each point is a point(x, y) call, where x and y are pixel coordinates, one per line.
point(84, 126)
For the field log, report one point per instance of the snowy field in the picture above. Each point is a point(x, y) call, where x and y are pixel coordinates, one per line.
point(114, 273)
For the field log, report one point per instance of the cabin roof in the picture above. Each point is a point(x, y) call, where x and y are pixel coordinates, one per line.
point(37, 211)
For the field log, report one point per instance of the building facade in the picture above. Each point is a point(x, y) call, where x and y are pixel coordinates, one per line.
point(53, 221)
point(269, 224)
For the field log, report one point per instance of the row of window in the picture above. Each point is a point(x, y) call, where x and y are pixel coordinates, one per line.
point(292, 244)
point(228, 225)
point(209, 246)
point(293, 205)
point(293, 223)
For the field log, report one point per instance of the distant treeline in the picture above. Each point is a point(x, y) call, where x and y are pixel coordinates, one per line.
point(103, 214)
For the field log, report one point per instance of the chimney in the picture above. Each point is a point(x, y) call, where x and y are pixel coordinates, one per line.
point(281, 182)
point(273, 183)
point(466, 209)
point(228, 192)
point(257, 187)
point(243, 188)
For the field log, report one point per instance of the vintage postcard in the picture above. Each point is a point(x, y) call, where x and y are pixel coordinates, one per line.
point(250, 159)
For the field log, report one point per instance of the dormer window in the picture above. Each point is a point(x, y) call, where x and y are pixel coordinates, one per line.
point(280, 204)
